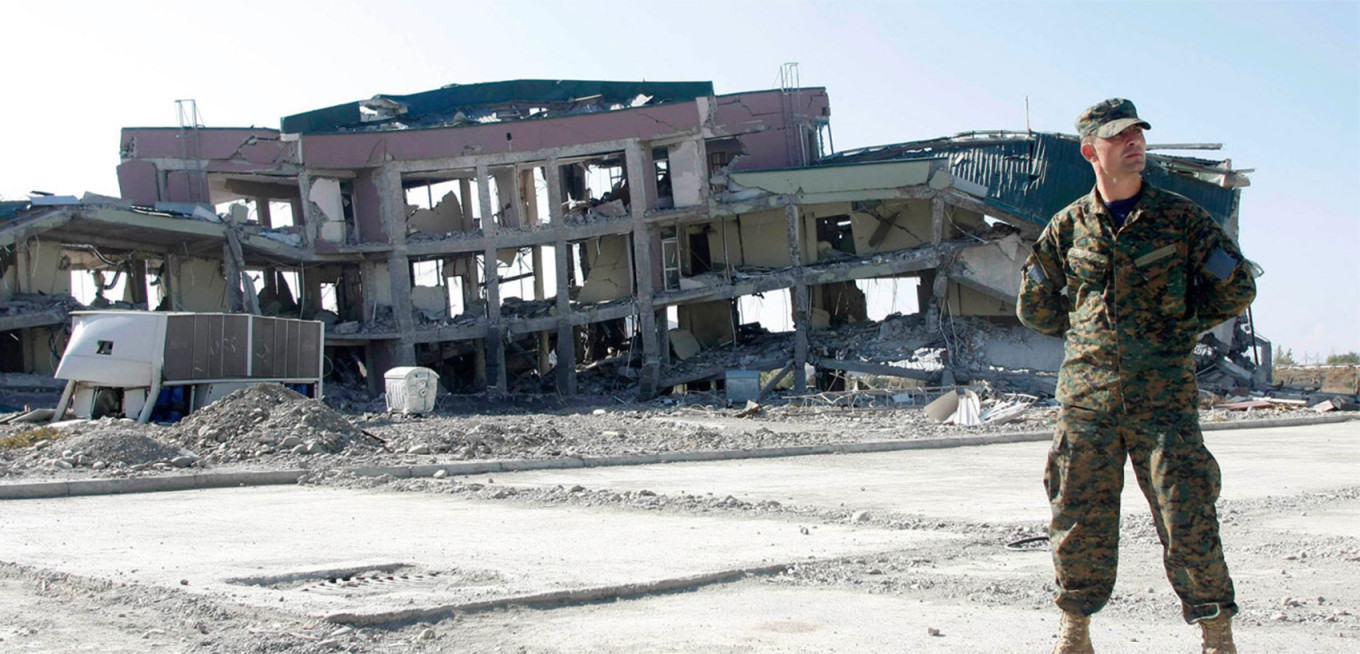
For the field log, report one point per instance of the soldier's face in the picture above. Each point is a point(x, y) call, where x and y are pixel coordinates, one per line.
point(1120, 155)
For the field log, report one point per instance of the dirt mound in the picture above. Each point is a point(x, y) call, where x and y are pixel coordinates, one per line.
point(116, 445)
point(108, 444)
point(266, 419)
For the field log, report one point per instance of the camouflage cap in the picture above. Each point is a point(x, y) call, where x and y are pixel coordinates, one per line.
point(1109, 117)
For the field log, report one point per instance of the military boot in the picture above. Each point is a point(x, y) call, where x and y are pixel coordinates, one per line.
point(1074, 636)
point(1218, 635)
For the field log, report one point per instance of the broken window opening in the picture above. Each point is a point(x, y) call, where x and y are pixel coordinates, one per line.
point(500, 197)
point(281, 215)
point(540, 194)
point(835, 236)
point(670, 258)
point(351, 221)
point(886, 296)
point(274, 290)
point(594, 188)
point(437, 208)
point(700, 258)
point(329, 298)
point(662, 170)
point(765, 312)
point(722, 153)
point(429, 293)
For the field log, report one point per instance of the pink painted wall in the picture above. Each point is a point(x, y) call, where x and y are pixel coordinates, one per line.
point(137, 181)
point(746, 111)
point(249, 144)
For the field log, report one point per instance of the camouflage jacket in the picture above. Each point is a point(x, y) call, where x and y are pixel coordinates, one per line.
point(1131, 302)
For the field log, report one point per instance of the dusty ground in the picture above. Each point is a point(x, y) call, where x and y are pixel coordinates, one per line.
point(1311, 579)
point(271, 428)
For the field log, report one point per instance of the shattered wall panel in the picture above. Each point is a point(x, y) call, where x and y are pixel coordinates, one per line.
point(446, 217)
point(688, 173)
point(994, 268)
point(966, 301)
point(430, 301)
point(611, 275)
point(763, 241)
point(709, 322)
point(770, 147)
point(137, 182)
point(367, 208)
point(909, 226)
point(203, 287)
point(325, 195)
point(45, 273)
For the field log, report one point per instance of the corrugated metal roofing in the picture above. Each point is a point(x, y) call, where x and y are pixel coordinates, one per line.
point(1033, 176)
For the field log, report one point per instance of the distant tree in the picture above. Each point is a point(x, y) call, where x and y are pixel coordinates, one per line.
point(1284, 357)
point(1347, 359)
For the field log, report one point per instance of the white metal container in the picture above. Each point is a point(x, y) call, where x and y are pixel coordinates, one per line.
point(411, 389)
point(129, 363)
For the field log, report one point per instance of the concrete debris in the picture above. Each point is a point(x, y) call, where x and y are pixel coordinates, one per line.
point(684, 343)
point(1008, 410)
point(943, 407)
point(265, 419)
point(115, 445)
point(968, 412)
point(751, 409)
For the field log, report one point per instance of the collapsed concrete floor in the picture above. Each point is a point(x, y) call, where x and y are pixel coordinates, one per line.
point(907, 552)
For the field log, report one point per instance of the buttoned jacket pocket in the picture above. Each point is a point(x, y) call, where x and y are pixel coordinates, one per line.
point(1161, 273)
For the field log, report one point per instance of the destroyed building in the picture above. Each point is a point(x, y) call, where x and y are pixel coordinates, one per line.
point(578, 236)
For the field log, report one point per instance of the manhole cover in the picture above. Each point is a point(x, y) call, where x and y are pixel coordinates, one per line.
point(375, 580)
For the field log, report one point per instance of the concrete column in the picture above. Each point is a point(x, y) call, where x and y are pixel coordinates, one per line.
point(170, 283)
point(136, 284)
point(22, 279)
point(309, 279)
point(940, 284)
point(801, 299)
point(465, 198)
point(495, 331)
point(24, 282)
point(235, 300)
point(566, 334)
point(392, 211)
point(305, 211)
point(266, 219)
point(544, 341)
point(642, 272)
point(262, 212)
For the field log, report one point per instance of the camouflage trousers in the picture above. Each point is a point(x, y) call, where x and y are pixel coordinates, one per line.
point(1180, 480)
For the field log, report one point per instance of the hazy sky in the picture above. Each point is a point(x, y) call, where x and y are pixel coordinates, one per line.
point(1277, 83)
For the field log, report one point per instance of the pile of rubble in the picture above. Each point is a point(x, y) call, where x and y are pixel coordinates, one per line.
point(115, 445)
point(263, 420)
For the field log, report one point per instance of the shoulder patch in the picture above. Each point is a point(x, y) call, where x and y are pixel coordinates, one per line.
point(1221, 264)
point(1036, 274)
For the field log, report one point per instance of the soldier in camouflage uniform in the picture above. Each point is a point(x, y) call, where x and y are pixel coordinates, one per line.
point(1130, 275)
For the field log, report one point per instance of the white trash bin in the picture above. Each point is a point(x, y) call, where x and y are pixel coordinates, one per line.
point(411, 389)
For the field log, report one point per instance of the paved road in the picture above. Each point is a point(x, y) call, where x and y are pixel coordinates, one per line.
point(455, 551)
point(994, 483)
